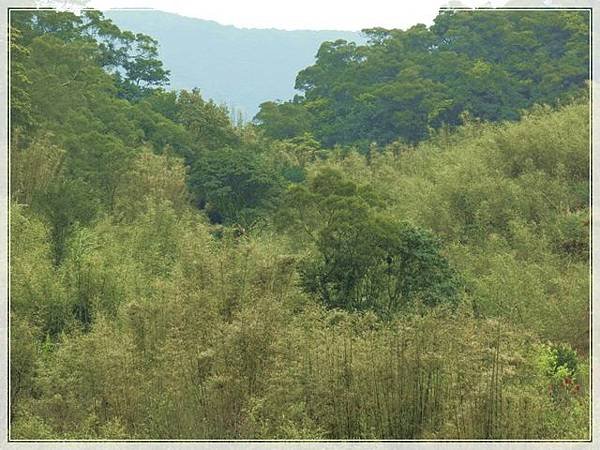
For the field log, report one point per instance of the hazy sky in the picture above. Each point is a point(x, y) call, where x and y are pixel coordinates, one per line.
point(300, 14)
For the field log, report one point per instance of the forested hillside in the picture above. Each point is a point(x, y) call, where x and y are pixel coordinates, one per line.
point(176, 276)
point(240, 67)
point(402, 84)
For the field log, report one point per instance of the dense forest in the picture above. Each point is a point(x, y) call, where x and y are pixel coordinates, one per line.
point(403, 84)
point(402, 252)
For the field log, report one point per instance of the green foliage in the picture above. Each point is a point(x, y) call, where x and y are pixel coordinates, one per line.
point(559, 362)
point(151, 178)
point(37, 295)
point(566, 376)
point(402, 84)
point(396, 292)
point(234, 184)
point(366, 260)
point(34, 168)
point(65, 204)
point(207, 122)
point(24, 351)
point(570, 235)
point(20, 111)
point(130, 58)
point(283, 120)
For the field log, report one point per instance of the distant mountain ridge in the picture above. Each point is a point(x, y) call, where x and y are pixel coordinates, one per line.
point(240, 67)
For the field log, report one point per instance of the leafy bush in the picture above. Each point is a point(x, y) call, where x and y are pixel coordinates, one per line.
point(374, 263)
point(234, 185)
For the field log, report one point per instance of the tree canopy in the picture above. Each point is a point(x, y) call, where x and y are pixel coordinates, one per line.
point(402, 84)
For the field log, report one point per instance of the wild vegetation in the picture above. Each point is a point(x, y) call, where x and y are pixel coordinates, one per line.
point(402, 84)
point(173, 276)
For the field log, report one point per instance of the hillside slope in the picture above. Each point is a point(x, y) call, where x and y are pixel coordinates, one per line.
point(239, 67)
